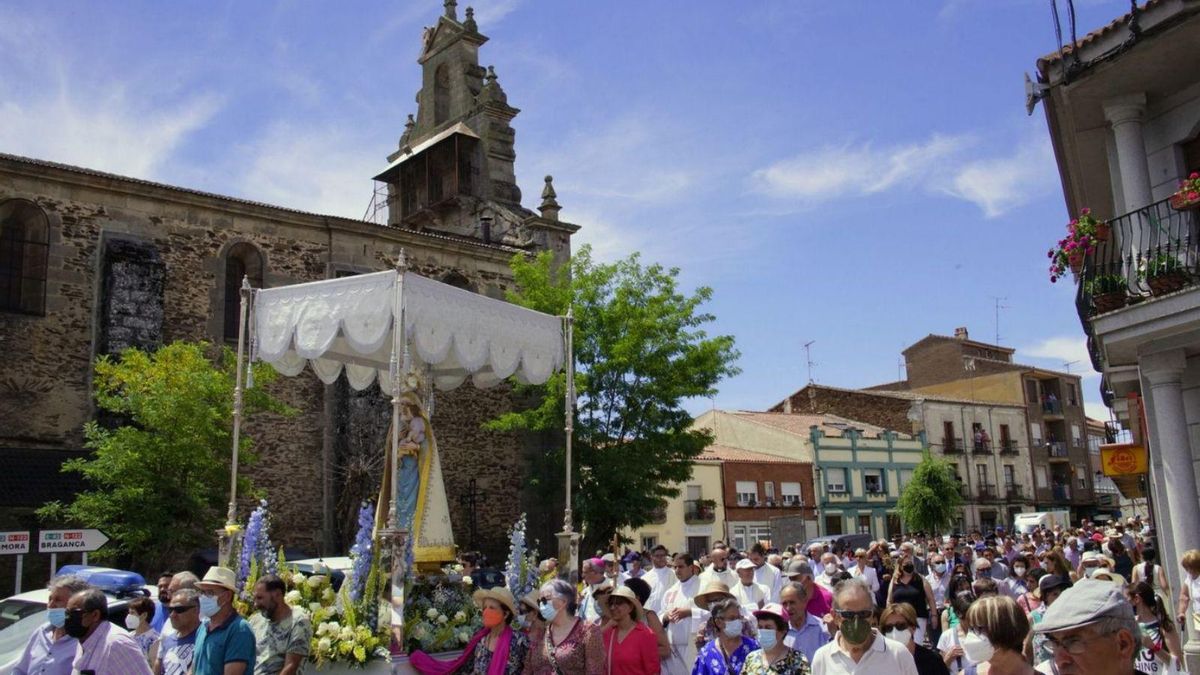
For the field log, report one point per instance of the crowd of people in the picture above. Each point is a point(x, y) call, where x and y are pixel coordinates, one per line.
point(1086, 601)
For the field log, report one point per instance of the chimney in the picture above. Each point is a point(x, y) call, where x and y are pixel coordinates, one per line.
point(960, 333)
point(787, 405)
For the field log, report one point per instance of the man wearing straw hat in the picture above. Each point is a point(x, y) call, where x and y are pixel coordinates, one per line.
point(225, 645)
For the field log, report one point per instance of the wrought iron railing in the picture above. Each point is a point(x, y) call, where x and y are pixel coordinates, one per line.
point(699, 511)
point(1013, 491)
point(1057, 449)
point(952, 446)
point(982, 448)
point(1008, 447)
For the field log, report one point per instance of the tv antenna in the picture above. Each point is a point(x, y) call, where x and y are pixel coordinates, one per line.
point(999, 302)
point(808, 357)
point(1068, 365)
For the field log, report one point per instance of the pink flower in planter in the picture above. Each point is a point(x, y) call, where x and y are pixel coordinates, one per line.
point(1193, 195)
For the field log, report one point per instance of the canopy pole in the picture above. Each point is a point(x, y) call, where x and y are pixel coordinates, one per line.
point(568, 539)
point(394, 537)
point(227, 536)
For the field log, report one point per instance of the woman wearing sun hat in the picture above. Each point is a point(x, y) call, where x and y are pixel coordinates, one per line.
point(495, 650)
point(631, 647)
point(775, 657)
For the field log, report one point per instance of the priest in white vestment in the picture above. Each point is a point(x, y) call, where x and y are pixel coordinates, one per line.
point(682, 618)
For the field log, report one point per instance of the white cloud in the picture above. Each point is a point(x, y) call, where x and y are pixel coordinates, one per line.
point(1063, 349)
point(942, 165)
point(492, 12)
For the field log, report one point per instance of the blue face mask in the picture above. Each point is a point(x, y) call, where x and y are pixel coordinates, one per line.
point(548, 611)
point(209, 606)
point(57, 616)
point(767, 638)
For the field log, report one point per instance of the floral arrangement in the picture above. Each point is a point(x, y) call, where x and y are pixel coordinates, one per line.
point(521, 570)
point(439, 616)
point(257, 556)
point(1081, 239)
point(1188, 193)
point(362, 552)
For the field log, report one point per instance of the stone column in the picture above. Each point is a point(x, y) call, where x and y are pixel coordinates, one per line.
point(1125, 114)
point(1164, 372)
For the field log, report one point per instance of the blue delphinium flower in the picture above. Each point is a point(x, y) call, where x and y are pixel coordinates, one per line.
point(249, 545)
point(362, 552)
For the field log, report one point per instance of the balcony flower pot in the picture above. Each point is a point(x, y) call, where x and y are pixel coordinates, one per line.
point(1071, 249)
point(1103, 231)
point(1164, 274)
point(1187, 198)
point(1167, 283)
point(1107, 292)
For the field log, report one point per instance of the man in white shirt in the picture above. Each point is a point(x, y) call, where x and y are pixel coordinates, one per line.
point(750, 594)
point(764, 573)
point(814, 557)
point(612, 569)
point(858, 648)
point(719, 569)
point(939, 580)
point(829, 571)
point(660, 577)
point(682, 618)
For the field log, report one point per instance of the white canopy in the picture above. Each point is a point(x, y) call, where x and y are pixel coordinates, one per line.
point(347, 324)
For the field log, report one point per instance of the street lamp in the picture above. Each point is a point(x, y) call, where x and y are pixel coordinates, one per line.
point(568, 539)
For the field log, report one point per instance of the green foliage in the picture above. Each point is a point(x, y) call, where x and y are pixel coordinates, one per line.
point(159, 481)
point(1105, 283)
point(931, 500)
point(1159, 266)
point(640, 351)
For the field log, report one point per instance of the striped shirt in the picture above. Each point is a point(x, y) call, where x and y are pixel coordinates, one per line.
point(110, 650)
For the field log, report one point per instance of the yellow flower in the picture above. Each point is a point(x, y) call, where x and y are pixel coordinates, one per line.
point(360, 654)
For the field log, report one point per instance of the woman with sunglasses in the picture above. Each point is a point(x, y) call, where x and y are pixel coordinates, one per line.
point(899, 622)
point(570, 645)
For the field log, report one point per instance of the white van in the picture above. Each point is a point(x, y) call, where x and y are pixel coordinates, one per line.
point(1024, 523)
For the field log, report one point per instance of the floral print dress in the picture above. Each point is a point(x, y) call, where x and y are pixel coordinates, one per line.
point(711, 660)
point(517, 649)
point(793, 663)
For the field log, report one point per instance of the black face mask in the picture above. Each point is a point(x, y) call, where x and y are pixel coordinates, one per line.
point(908, 568)
point(74, 627)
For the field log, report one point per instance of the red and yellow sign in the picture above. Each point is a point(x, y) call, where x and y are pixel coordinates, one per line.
point(1123, 459)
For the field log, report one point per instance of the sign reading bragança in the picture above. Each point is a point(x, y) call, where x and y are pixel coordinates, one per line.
point(75, 541)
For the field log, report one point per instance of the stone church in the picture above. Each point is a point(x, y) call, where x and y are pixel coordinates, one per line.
point(92, 263)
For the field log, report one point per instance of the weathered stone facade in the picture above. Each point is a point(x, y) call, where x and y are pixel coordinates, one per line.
point(134, 263)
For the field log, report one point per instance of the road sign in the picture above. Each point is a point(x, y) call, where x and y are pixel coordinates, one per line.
point(70, 541)
point(14, 543)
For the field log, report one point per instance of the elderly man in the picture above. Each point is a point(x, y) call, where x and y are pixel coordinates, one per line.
point(806, 633)
point(179, 582)
point(830, 570)
point(908, 550)
point(50, 651)
point(104, 649)
point(815, 552)
point(682, 618)
point(719, 570)
point(173, 654)
point(224, 645)
point(594, 580)
point(820, 600)
point(281, 636)
point(660, 577)
point(859, 648)
point(750, 594)
point(1091, 630)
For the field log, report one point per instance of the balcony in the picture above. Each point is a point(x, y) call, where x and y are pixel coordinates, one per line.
point(987, 493)
point(981, 448)
point(1052, 408)
point(963, 491)
point(1149, 252)
point(1057, 450)
point(658, 515)
point(699, 511)
point(1008, 447)
point(1013, 493)
point(1061, 493)
point(953, 446)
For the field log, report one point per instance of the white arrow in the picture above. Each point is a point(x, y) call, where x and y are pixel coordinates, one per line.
point(77, 541)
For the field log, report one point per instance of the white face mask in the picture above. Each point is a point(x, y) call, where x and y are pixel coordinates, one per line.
point(733, 628)
point(901, 636)
point(978, 648)
point(132, 621)
point(1019, 570)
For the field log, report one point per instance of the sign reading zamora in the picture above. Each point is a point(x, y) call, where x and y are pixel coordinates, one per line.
point(76, 541)
point(1123, 459)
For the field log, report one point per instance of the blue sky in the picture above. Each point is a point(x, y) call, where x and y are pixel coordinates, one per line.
point(853, 173)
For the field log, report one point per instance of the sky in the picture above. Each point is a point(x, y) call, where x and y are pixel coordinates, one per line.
point(856, 174)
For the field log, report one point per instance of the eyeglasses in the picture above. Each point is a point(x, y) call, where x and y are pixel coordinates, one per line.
point(893, 626)
point(1073, 645)
point(180, 609)
point(849, 615)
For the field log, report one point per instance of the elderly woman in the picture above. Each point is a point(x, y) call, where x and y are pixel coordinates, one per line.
point(630, 647)
point(996, 629)
point(569, 645)
point(899, 622)
point(774, 657)
point(528, 617)
point(495, 650)
point(726, 653)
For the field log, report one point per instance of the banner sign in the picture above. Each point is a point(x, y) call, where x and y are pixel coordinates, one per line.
point(1123, 459)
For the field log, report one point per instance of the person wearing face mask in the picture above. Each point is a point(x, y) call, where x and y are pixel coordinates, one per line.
point(908, 586)
point(830, 569)
point(594, 580)
point(104, 648)
point(1017, 583)
point(50, 650)
point(495, 649)
point(774, 657)
point(899, 623)
point(173, 654)
point(569, 645)
point(938, 579)
point(750, 594)
point(727, 651)
point(859, 648)
point(528, 617)
point(281, 636)
point(996, 630)
point(225, 645)
point(138, 621)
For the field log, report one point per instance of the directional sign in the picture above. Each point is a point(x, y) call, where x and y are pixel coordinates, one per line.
point(68, 541)
point(14, 543)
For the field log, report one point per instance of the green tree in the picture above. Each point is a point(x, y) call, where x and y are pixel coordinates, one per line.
point(640, 352)
point(931, 501)
point(159, 481)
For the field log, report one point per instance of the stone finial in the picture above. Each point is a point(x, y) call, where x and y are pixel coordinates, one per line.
point(470, 24)
point(451, 9)
point(549, 206)
point(408, 130)
point(491, 75)
point(492, 91)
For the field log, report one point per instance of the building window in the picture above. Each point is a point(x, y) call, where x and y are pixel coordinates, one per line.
point(1076, 437)
point(747, 492)
point(1040, 473)
point(694, 493)
point(1035, 432)
point(982, 472)
point(1031, 390)
point(790, 493)
point(864, 523)
point(1072, 397)
point(904, 476)
point(1081, 477)
point(739, 538)
point(759, 533)
point(242, 260)
point(769, 492)
point(24, 248)
point(649, 542)
point(1010, 475)
point(835, 481)
point(833, 524)
point(873, 481)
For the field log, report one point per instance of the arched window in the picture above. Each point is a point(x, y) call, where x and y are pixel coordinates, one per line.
point(24, 248)
point(241, 260)
point(441, 94)
point(457, 280)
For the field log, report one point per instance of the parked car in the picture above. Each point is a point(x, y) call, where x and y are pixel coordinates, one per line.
point(21, 614)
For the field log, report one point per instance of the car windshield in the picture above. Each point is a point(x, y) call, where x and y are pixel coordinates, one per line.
point(16, 632)
point(13, 610)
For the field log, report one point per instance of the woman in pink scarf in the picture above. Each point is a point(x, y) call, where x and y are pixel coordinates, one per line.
point(495, 650)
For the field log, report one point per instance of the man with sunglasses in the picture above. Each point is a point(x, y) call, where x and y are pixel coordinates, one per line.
point(1091, 630)
point(174, 655)
point(104, 648)
point(858, 648)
